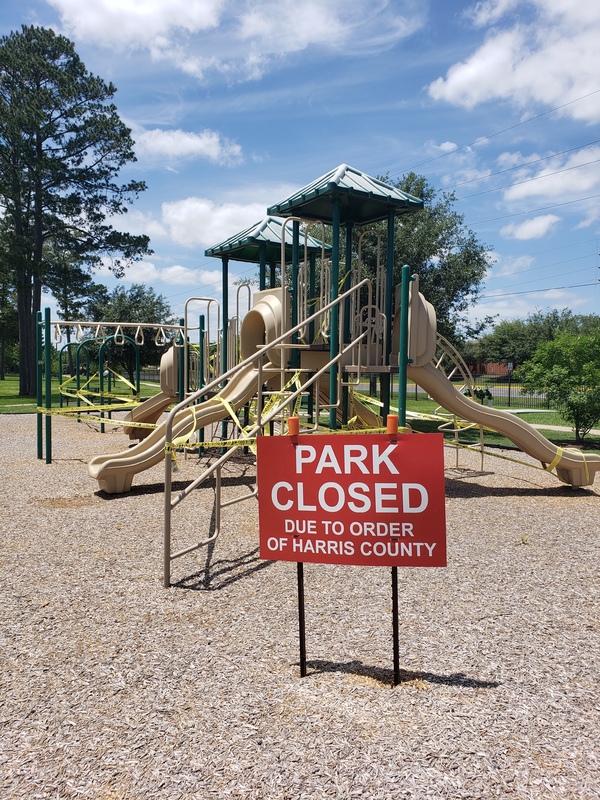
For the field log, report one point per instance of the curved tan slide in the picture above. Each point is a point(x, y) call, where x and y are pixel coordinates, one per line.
point(150, 410)
point(261, 325)
point(115, 472)
point(571, 466)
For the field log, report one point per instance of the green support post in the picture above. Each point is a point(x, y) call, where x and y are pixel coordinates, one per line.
point(225, 282)
point(403, 359)
point(39, 363)
point(101, 376)
point(201, 370)
point(334, 319)
point(224, 337)
point(389, 288)
point(312, 280)
point(402, 365)
point(262, 267)
point(138, 369)
point(347, 321)
point(295, 360)
point(48, 383)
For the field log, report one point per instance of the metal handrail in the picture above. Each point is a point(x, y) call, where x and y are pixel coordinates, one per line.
point(258, 359)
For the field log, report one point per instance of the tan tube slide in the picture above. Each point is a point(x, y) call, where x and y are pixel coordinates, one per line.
point(115, 472)
point(571, 466)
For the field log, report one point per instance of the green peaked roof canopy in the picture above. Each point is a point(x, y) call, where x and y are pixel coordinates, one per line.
point(266, 234)
point(363, 199)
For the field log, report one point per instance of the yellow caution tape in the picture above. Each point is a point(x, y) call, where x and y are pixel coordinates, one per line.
point(83, 391)
point(181, 440)
point(555, 461)
point(494, 454)
point(90, 411)
point(230, 410)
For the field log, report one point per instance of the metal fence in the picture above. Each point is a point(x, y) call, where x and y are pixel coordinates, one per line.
point(504, 394)
point(507, 393)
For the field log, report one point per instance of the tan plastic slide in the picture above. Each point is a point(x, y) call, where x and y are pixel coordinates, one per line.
point(150, 410)
point(571, 466)
point(115, 472)
point(261, 325)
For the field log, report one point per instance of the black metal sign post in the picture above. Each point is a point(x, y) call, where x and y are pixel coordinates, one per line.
point(395, 626)
point(302, 622)
point(301, 619)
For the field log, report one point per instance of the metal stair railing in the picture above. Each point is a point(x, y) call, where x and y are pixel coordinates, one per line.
point(258, 361)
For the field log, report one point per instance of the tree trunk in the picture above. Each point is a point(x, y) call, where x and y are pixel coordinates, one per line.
point(2, 356)
point(27, 354)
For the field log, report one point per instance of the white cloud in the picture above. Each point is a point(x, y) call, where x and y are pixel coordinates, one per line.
point(509, 160)
point(443, 147)
point(137, 23)
point(534, 228)
point(311, 23)
point(149, 273)
point(549, 59)
point(506, 266)
point(139, 224)
point(183, 145)
point(591, 216)
point(239, 38)
point(463, 175)
point(179, 276)
point(448, 147)
point(561, 177)
point(198, 221)
point(283, 26)
point(490, 11)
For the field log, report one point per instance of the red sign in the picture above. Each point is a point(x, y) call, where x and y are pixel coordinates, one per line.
point(367, 499)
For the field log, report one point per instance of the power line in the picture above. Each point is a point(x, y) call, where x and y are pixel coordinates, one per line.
point(530, 180)
point(565, 246)
point(536, 291)
point(536, 269)
point(499, 133)
point(536, 210)
point(534, 280)
point(520, 166)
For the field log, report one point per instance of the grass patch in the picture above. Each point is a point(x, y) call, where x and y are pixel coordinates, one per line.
point(12, 403)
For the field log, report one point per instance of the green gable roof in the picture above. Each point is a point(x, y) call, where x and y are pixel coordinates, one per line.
point(266, 234)
point(363, 199)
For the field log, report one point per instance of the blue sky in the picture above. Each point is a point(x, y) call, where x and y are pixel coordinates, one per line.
point(234, 104)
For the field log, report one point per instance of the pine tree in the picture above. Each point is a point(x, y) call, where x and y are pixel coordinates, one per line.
point(62, 145)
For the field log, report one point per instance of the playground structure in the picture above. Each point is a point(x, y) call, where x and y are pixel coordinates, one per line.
point(313, 330)
point(96, 388)
point(93, 386)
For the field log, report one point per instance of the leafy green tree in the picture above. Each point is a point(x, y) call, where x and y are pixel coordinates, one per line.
point(510, 341)
point(568, 370)
point(138, 304)
point(62, 145)
point(517, 340)
point(435, 242)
